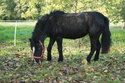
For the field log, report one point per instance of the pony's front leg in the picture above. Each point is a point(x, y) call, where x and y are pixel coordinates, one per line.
point(59, 44)
point(49, 48)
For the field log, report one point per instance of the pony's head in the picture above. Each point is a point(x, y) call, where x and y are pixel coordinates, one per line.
point(37, 39)
point(38, 49)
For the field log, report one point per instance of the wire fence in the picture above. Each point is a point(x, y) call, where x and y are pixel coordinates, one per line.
point(19, 22)
point(15, 24)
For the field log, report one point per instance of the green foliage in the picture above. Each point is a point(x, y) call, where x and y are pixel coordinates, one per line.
point(7, 9)
point(116, 10)
point(33, 9)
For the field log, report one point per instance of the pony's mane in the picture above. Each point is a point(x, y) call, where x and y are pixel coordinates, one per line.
point(42, 21)
point(56, 12)
point(52, 13)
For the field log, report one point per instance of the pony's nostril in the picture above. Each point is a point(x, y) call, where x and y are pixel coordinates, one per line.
point(37, 61)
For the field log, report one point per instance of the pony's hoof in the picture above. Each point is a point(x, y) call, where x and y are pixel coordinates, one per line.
point(60, 60)
point(88, 60)
point(49, 59)
point(96, 59)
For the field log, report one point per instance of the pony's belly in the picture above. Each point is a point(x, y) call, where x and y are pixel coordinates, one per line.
point(74, 35)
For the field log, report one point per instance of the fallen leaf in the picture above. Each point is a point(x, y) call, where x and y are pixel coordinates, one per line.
point(105, 71)
point(84, 62)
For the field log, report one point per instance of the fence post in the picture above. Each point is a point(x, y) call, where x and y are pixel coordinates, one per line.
point(15, 34)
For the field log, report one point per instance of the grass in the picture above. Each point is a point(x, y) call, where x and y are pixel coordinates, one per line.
point(15, 61)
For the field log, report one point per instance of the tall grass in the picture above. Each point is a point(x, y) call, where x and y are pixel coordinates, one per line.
point(118, 40)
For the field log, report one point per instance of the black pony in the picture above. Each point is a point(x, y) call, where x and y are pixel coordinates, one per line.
point(58, 25)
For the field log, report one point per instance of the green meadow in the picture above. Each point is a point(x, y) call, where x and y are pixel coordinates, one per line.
point(15, 61)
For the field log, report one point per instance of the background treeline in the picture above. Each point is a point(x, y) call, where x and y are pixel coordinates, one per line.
point(33, 9)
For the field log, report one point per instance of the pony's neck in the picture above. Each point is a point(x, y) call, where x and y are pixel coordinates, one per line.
point(42, 39)
point(37, 34)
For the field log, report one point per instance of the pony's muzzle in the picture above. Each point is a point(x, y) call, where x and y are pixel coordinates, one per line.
point(39, 61)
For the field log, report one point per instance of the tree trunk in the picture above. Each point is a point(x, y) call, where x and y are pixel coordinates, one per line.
point(124, 26)
point(76, 4)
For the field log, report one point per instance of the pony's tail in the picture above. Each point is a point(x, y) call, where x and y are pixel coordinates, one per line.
point(106, 37)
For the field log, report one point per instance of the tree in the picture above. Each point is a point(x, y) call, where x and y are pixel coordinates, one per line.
point(20, 8)
point(7, 9)
point(122, 11)
point(33, 9)
point(115, 10)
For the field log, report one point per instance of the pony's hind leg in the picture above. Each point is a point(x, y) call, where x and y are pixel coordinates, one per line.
point(97, 50)
point(93, 48)
point(59, 44)
point(49, 48)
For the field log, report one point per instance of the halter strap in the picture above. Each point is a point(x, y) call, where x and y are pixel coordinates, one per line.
point(43, 50)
